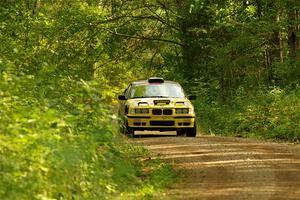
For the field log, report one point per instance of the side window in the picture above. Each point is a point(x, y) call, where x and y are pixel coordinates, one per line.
point(128, 91)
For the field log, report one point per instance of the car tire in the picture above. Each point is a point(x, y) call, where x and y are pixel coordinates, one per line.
point(123, 127)
point(126, 130)
point(181, 132)
point(192, 132)
point(129, 132)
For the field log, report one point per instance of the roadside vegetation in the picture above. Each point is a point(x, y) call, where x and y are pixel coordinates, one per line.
point(58, 136)
point(65, 147)
point(62, 64)
point(269, 114)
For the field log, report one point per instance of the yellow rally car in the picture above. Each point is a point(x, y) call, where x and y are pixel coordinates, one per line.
point(156, 104)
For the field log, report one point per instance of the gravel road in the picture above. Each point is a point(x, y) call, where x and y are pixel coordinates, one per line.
point(229, 168)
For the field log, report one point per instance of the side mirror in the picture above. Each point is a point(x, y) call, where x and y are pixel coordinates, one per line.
point(192, 97)
point(122, 97)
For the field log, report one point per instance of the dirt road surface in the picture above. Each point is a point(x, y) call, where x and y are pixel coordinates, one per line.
point(229, 168)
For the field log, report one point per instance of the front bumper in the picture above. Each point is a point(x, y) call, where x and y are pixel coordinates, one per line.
point(160, 122)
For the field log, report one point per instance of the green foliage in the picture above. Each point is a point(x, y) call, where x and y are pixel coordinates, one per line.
point(267, 114)
point(237, 58)
point(65, 147)
point(62, 64)
point(287, 73)
point(59, 76)
point(275, 115)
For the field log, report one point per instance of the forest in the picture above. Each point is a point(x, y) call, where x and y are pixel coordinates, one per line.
point(63, 63)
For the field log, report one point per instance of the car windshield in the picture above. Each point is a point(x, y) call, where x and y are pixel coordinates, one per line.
point(157, 90)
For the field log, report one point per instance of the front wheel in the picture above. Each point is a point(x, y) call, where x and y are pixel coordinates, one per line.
point(192, 132)
point(123, 127)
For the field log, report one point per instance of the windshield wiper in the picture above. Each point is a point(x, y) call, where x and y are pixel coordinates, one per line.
point(150, 97)
point(159, 97)
point(138, 97)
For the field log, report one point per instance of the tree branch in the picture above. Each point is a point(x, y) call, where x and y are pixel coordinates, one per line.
point(145, 38)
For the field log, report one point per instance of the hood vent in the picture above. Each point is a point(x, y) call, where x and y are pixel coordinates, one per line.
point(157, 102)
point(180, 103)
point(143, 104)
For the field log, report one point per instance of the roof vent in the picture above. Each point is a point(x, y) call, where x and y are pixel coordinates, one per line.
point(156, 80)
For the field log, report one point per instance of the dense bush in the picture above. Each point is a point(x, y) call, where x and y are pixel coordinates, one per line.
point(60, 71)
point(269, 113)
point(60, 144)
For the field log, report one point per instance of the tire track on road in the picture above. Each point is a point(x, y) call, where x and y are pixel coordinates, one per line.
point(229, 168)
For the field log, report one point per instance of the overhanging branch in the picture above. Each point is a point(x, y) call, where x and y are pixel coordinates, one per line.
point(144, 38)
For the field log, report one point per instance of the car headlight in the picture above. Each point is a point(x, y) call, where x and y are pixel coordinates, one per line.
point(182, 110)
point(140, 111)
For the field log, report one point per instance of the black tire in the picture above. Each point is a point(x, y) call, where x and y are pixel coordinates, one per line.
point(129, 132)
point(181, 132)
point(123, 126)
point(192, 132)
point(126, 129)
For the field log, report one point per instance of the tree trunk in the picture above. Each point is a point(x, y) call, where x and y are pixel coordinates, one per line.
point(183, 10)
point(292, 34)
